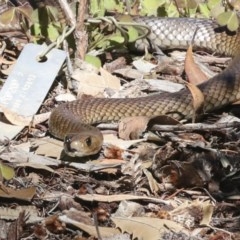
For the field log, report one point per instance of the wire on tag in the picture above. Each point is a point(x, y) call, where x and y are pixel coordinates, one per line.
point(66, 32)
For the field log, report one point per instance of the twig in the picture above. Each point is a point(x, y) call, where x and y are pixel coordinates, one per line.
point(67, 12)
point(196, 126)
point(185, 127)
point(97, 227)
point(81, 36)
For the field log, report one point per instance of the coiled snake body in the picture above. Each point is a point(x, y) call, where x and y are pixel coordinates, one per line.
point(73, 120)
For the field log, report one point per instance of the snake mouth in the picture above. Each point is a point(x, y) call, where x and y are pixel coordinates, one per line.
point(68, 148)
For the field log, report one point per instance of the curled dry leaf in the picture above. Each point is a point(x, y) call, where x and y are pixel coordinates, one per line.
point(153, 184)
point(15, 118)
point(198, 100)
point(23, 121)
point(133, 127)
point(194, 73)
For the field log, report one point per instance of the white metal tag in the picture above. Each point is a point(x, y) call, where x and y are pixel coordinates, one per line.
point(28, 84)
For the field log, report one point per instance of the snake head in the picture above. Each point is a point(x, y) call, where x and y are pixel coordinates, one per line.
point(81, 145)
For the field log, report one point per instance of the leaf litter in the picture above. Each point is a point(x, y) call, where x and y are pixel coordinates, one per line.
point(181, 182)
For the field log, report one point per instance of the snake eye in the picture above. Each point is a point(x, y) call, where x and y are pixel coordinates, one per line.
point(88, 141)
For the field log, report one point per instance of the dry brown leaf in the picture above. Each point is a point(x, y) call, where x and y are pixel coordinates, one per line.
point(16, 227)
point(191, 214)
point(109, 170)
point(78, 215)
point(163, 120)
point(118, 198)
point(15, 118)
point(20, 120)
point(182, 174)
point(94, 84)
point(235, 4)
point(36, 166)
point(48, 147)
point(13, 213)
point(39, 118)
point(147, 228)
point(129, 209)
point(132, 127)
point(207, 213)
point(129, 73)
point(198, 100)
point(153, 184)
point(21, 194)
point(20, 156)
point(91, 230)
point(121, 144)
point(194, 73)
point(54, 225)
point(111, 80)
point(113, 152)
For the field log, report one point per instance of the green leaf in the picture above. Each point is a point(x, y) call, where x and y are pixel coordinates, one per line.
point(114, 5)
point(97, 8)
point(50, 31)
point(117, 39)
point(53, 33)
point(181, 3)
point(204, 10)
point(172, 10)
point(217, 10)
point(150, 7)
point(45, 15)
point(192, 12)
point(52, 13)
point(228, 19)
point(6, 172)
point(213, 3)
point(132, 33)
point(95, 61)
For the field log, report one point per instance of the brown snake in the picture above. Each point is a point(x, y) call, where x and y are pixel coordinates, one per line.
point(73, 120)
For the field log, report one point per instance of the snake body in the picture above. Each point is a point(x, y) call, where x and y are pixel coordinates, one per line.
point(73, 120)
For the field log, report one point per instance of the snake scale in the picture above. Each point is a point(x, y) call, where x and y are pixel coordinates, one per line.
point(72, 121)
